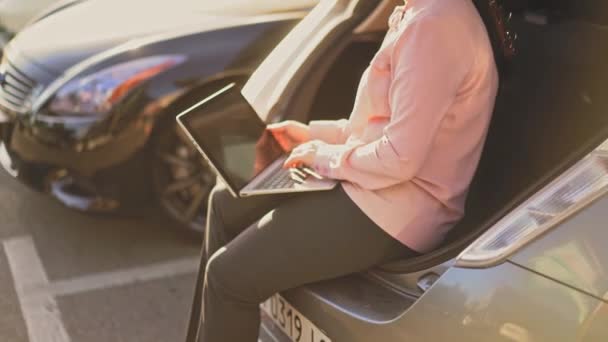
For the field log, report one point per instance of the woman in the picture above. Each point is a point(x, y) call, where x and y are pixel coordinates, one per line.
point(405, 158)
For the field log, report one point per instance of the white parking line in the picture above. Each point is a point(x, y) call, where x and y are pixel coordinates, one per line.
point(39, 308)
point(37, 295)
point(123, 277)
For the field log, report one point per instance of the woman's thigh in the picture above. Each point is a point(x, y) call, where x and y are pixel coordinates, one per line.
point(310, 237)
point(228, 216)
point(233, 214)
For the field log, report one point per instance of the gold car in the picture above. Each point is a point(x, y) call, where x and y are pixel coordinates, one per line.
point(529, 261)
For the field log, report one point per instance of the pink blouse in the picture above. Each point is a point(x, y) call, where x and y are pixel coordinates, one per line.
point(413, 140)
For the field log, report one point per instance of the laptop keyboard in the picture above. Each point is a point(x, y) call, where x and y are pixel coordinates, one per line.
point(278, 180)
point(284, 178)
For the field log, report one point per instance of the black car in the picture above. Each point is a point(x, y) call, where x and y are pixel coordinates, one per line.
point(89, 92)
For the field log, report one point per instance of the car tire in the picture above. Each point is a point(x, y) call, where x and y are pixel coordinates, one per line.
point(182, 179)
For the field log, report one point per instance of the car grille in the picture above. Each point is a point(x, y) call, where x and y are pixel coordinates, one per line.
point(15, 88)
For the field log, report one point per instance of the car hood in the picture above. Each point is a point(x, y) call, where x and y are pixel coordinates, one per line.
point(71, 35)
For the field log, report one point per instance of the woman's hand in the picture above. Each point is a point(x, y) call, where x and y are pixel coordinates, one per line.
point(290, 134)
point(303, 155)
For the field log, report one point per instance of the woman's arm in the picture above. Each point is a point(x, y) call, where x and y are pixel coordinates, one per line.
point(290, 134)
point(429, 65)
point(330, 131)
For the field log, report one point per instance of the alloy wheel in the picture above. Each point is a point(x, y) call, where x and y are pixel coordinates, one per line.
point(182, 179)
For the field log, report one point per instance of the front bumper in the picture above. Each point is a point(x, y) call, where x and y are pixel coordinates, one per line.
point(114, 151)
point(30, 174)
point(101, 180)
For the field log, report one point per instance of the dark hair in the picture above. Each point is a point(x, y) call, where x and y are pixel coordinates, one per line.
point(496, 19)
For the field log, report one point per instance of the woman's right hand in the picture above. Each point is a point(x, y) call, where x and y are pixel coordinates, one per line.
point(290, 133)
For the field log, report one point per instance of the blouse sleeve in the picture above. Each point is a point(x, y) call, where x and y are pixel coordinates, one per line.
point(429, 64)
point(330, 131)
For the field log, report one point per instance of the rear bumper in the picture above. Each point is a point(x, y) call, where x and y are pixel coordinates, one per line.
point(503, 303)
point(354, 308)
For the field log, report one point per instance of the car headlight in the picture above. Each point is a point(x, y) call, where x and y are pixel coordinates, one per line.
point(98, 92)
point(579, 186)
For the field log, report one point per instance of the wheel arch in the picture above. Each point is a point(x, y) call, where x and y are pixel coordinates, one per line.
point(160, 150)
point(194, 94)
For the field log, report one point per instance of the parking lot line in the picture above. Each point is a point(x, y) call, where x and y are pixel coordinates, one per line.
point(106, 280)
point(39, 307)
point(36, 294)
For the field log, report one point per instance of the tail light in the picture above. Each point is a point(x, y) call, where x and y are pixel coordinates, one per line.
point(580, 185)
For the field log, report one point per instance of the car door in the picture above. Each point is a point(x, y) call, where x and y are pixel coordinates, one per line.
point(300, 61)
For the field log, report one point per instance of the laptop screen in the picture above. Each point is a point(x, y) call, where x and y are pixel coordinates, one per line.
point(232, 136)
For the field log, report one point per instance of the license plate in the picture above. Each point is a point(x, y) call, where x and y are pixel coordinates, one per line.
point(297, 327)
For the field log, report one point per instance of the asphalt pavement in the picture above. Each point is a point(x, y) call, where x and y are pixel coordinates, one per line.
point(72, 277)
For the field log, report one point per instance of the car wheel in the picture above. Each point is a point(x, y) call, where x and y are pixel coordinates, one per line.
point(182, 178)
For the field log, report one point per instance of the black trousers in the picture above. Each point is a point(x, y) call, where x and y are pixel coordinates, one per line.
point(258, 246)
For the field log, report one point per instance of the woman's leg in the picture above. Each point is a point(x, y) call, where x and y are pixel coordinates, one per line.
point(307, 238)
point(227, 217)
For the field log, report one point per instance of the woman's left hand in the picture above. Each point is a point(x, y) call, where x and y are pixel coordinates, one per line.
point(303, 154)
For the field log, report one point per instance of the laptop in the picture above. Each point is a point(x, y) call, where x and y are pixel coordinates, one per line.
point(233, 139)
